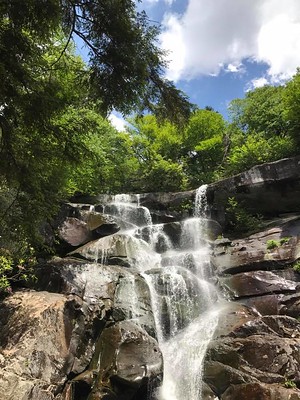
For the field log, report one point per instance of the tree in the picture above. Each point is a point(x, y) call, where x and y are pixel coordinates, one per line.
point(261, 128)
point(292, 107)
point(157, 149)
point(261, 111)
point(203, 145)
point(126, 64)
point(50, 100)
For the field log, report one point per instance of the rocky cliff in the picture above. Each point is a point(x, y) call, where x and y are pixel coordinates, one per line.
point(78, 334)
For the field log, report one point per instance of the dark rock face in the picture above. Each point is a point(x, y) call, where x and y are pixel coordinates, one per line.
point(267, 189)
point(128, 358)
point(256, 283)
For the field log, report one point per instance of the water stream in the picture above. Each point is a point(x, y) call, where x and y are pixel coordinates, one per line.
point(179, 276)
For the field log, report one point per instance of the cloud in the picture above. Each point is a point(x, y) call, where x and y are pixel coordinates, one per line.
point(117, 121)
point(237, 68)
point(220, 34)
point(257, 83)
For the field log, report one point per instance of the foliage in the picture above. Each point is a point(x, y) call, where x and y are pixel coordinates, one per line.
point(272, 244)
point(291, 99)
point(5, 268)
point(284, 240)
point(290, 384)
point(16, 267)
point(126, 64)
point(164, 176)
point(256, 149)
point(203, 146)
point(261, 111)
point(296, 266)
point(239, 219)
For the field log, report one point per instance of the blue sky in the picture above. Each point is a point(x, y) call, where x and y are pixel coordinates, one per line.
point(219, 49)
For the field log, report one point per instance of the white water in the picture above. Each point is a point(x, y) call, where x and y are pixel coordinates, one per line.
point(184, 301)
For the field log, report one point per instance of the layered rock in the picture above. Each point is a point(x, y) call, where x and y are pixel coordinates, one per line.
point(51, 340)
point(86, 330)
point(255, 352)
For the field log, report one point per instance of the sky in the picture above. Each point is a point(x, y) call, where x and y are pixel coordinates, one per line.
point(220, 49)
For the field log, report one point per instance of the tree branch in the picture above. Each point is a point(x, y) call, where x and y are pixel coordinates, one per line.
point(69, 38)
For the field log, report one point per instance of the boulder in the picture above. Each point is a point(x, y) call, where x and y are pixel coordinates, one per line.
point(251, 350)
point(256, 283)
point(91, 225)
point(126, 364)
point(37, 348)
point(259, 391)
point(255, 252)
point(136, 251)
point(107, 291)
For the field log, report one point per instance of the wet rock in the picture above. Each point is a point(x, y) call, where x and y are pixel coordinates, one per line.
point(282, 304)
point(107, 291)
point(137, 251)
point(207, 393)
point(252, 253)
point(256, 283)
point(132, 301)
point(127, 361)
point(219, 376)
point(259, 391)
point(290, 305)
point(265, 305)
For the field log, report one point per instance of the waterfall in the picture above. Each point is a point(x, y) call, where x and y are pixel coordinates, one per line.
point(184, 301)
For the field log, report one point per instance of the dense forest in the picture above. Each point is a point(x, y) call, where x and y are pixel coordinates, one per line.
point(56, 140)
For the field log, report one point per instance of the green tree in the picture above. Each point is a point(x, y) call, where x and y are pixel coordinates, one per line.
point(292, 107)
point(260, 129)
point(203, 145)
point(157, 150)
point(261, 111)
point(126, 64)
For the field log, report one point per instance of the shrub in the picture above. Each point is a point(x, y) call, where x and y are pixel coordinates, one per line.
point(290, 384)
point(272, 244)
point(296, 266)
point(239, 218)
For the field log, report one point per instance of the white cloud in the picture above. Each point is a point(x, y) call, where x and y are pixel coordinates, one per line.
point(117, 121)
point(235, 68)
point(220, 34)
point(257, 83)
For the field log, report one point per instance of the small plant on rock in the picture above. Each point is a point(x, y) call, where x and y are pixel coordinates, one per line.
point(284, 240)
point(290, 384)
point(272, 244)
point(296, 266)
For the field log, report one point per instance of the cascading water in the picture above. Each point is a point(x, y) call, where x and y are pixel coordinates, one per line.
point(183, 298)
